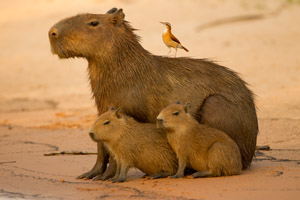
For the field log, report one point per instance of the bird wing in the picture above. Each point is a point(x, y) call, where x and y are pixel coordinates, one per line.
point(174, 38)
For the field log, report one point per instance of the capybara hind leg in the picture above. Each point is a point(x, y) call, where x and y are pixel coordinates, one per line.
point(110, 170)
point(201, 174)
point(100, 164)
point(238, 121)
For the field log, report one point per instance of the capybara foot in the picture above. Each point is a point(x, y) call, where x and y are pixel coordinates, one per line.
point(114, 179)
point(201, 174)
point(118, 180)
point(177, 176)
point(109, 173)
point(97, 170)
point(89, 175)
point(98, 177)
point(121, 180)
point(159, 175)
point(105, 177)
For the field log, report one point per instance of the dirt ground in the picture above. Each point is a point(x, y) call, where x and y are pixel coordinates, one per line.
point(46, 105)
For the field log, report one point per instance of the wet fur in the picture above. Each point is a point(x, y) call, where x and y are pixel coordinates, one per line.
point(122, 73)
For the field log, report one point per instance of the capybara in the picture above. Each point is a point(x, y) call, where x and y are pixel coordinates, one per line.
point(207, 150)
point(134, 144)
point(122, 73)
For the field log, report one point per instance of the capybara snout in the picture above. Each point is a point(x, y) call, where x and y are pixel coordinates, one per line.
point(92, 135)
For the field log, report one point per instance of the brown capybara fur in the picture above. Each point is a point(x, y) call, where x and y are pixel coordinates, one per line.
point(122, 73)
point(134, 144)
point(207, 150)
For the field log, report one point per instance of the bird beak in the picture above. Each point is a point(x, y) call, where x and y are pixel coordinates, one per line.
point(163, 23)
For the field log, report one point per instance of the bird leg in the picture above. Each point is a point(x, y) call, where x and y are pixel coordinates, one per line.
point(175, 52)
point(169, 51)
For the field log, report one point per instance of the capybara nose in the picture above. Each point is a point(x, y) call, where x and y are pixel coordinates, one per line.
point(159, 120)
point(159, 123)
point(92, 135)
point(53, 33)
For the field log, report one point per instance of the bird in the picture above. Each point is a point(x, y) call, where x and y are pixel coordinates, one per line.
point(170, 40)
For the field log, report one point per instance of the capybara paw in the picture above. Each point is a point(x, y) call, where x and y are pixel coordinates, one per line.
point(121, 180)
point(201, 174)
point(104, 178)
point(159, 175)
point(155, 176)
point(177, 176)
point(117, 180)
point(89, 175)
point(107, 176)
point(113, 180)
point(98, 177)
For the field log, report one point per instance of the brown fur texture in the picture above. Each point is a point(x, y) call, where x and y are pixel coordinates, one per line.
point(122, 73)
point(207, 150)
point(134, 144)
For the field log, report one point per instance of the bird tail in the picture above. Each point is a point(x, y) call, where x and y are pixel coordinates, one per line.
point(184, 48)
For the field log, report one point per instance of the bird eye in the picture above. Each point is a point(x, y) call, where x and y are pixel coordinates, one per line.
point(106, 122)
point(175, 113)
point(94, 23)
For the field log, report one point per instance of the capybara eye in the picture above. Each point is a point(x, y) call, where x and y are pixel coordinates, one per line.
point(106, 122)
point(175, 113)
point(94, 23)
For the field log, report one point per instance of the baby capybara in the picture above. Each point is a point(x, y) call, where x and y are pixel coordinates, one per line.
point(134, 144)
point(124, 74)
point(207, 150)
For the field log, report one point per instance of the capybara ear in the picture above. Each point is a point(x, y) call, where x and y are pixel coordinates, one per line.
point(118, 17)
point(113, 10)
point(177, 102)
point(119, 113)
point(187, 107)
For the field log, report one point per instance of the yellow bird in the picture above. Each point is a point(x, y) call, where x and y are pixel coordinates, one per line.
point(170, 40)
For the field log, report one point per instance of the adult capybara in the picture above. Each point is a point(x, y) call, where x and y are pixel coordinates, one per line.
point(205, 149)
point(122, 73)
point(134, 144)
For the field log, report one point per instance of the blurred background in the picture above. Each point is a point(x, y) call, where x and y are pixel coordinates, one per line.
point(258, 39)
point(46, 104)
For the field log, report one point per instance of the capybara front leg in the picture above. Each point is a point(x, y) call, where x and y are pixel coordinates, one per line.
point(123, 173)
point(100, 164)
point(181, 168)
point(117, 173)
point(110, 170)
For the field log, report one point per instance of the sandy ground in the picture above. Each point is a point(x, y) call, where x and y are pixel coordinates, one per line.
point(46, 106)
